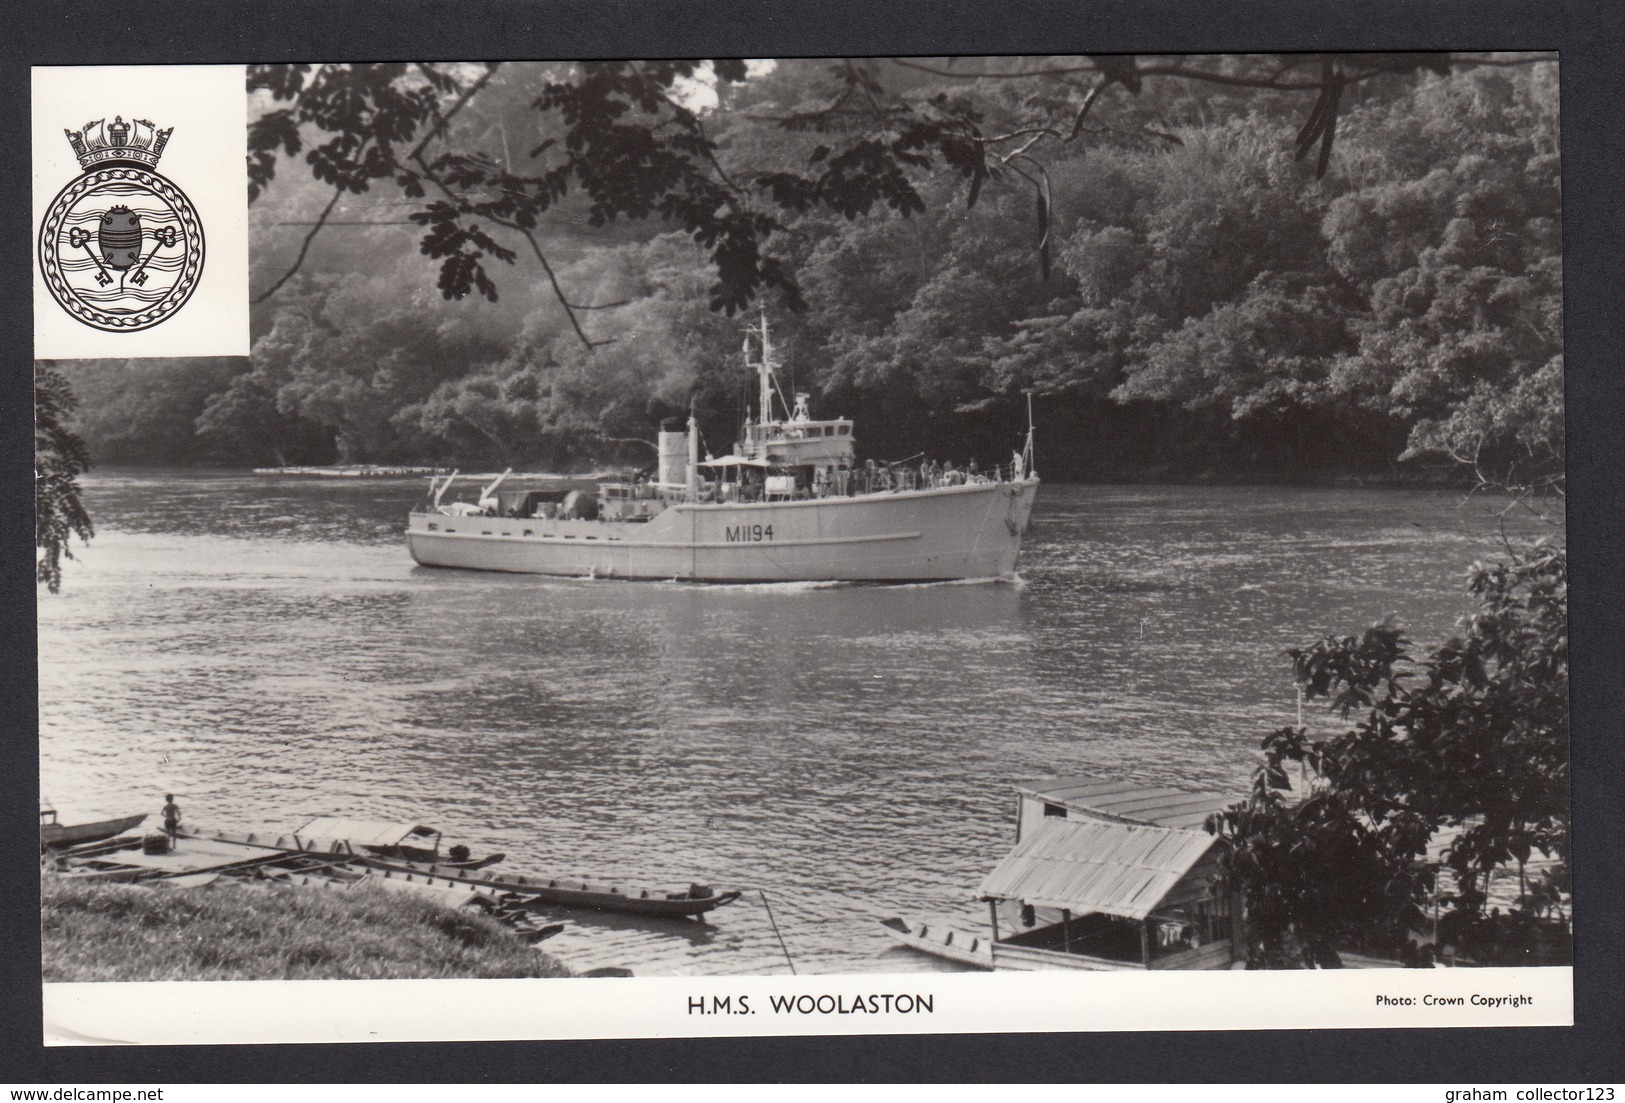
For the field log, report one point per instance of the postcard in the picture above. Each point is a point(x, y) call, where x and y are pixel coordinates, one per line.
point(601, 549)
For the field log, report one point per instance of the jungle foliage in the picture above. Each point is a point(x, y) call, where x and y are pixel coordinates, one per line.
point(1467, 750)
point(1227, 267)
point(59, 460)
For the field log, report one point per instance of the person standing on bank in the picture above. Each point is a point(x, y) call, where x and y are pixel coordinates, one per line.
point(172, 817)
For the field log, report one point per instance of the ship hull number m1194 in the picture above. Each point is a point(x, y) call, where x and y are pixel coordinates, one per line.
point(749, 534)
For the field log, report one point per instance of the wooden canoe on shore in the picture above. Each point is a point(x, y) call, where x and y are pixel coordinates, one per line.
point(340, 876)
point(943, 942)
point(54, 834)
point(535, 892)
point(543, 892)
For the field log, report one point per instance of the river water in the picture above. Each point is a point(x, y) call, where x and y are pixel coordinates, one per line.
point(266, 650)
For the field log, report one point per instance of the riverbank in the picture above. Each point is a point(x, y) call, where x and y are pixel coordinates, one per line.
point(243, 931)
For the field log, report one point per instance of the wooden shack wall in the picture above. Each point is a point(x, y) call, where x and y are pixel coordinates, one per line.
point(1212, 955)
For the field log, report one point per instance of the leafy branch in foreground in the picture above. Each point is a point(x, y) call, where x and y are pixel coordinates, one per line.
point(59, 459)
point(620, 138)
point(621, 135)
point(1469, 749)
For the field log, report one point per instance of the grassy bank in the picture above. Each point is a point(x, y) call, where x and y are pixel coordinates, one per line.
point(245, 931)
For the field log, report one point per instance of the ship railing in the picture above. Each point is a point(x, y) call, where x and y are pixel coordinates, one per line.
point(858, 482)
point(890, 478)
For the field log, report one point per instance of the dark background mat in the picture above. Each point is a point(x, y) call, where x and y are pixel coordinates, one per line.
point(1589, 36)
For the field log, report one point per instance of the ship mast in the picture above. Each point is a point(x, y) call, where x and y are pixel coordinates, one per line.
point(765, 373)
point(1027, 449)
point(691, 487)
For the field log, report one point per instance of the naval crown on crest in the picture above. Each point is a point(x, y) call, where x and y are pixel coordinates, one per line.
point(138, 141)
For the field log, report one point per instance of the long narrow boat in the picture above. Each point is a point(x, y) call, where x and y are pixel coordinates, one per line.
point(97, 847)
point(943, 942)
point(55, 834)
point(535, 891)
point(339, 875)
point(143, 868)
point(541, 892)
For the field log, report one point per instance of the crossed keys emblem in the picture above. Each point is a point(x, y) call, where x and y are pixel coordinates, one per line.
point(120, 243)
point(121, 247)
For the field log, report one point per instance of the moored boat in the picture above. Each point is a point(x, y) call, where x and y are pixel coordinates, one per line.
point(531, 891)
point(527, 890)
point(941, 941)
point(53, 833)
point(412, 842)
point(789, 503)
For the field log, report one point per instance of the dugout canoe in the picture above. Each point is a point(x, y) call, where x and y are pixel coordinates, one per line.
point(535, 892)
point(58, 835)
point(941, 941)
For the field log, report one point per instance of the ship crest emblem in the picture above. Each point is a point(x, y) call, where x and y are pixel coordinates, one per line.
point(121, 247)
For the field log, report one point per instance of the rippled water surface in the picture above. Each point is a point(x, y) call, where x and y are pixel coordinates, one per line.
point(267, 650)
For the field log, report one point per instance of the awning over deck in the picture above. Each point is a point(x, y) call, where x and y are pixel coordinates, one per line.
point(1128, 801)
point(364, 832)
point(734, 461)
point(1083, 866)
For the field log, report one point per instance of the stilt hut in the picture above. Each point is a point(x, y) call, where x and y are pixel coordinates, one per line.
point(1092, 894)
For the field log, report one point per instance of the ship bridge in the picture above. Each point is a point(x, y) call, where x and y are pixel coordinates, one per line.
point(800, 443)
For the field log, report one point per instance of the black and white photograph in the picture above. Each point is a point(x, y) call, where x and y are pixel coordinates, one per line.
point(862, 522)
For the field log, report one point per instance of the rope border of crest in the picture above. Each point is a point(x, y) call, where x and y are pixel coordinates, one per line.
point(63, 292)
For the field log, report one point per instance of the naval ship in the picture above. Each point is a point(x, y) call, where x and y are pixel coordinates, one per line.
point(790, 503)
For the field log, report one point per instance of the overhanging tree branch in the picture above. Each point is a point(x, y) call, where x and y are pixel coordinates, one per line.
point(439, 128)
point(558, 291)
point(441, 120)
point(304, 248)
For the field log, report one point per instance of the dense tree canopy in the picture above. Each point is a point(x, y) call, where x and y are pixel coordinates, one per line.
point(1239, 265)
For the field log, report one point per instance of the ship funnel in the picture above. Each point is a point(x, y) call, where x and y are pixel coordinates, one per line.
point(673, 446)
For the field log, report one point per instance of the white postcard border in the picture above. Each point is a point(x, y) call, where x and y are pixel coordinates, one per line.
point(314, 1012)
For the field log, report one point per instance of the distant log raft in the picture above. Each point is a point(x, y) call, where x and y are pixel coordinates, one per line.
point(351, 471)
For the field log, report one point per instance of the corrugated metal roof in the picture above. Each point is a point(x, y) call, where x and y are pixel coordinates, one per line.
point(1084, 866)
point(363, 832)
point(1132, 802)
